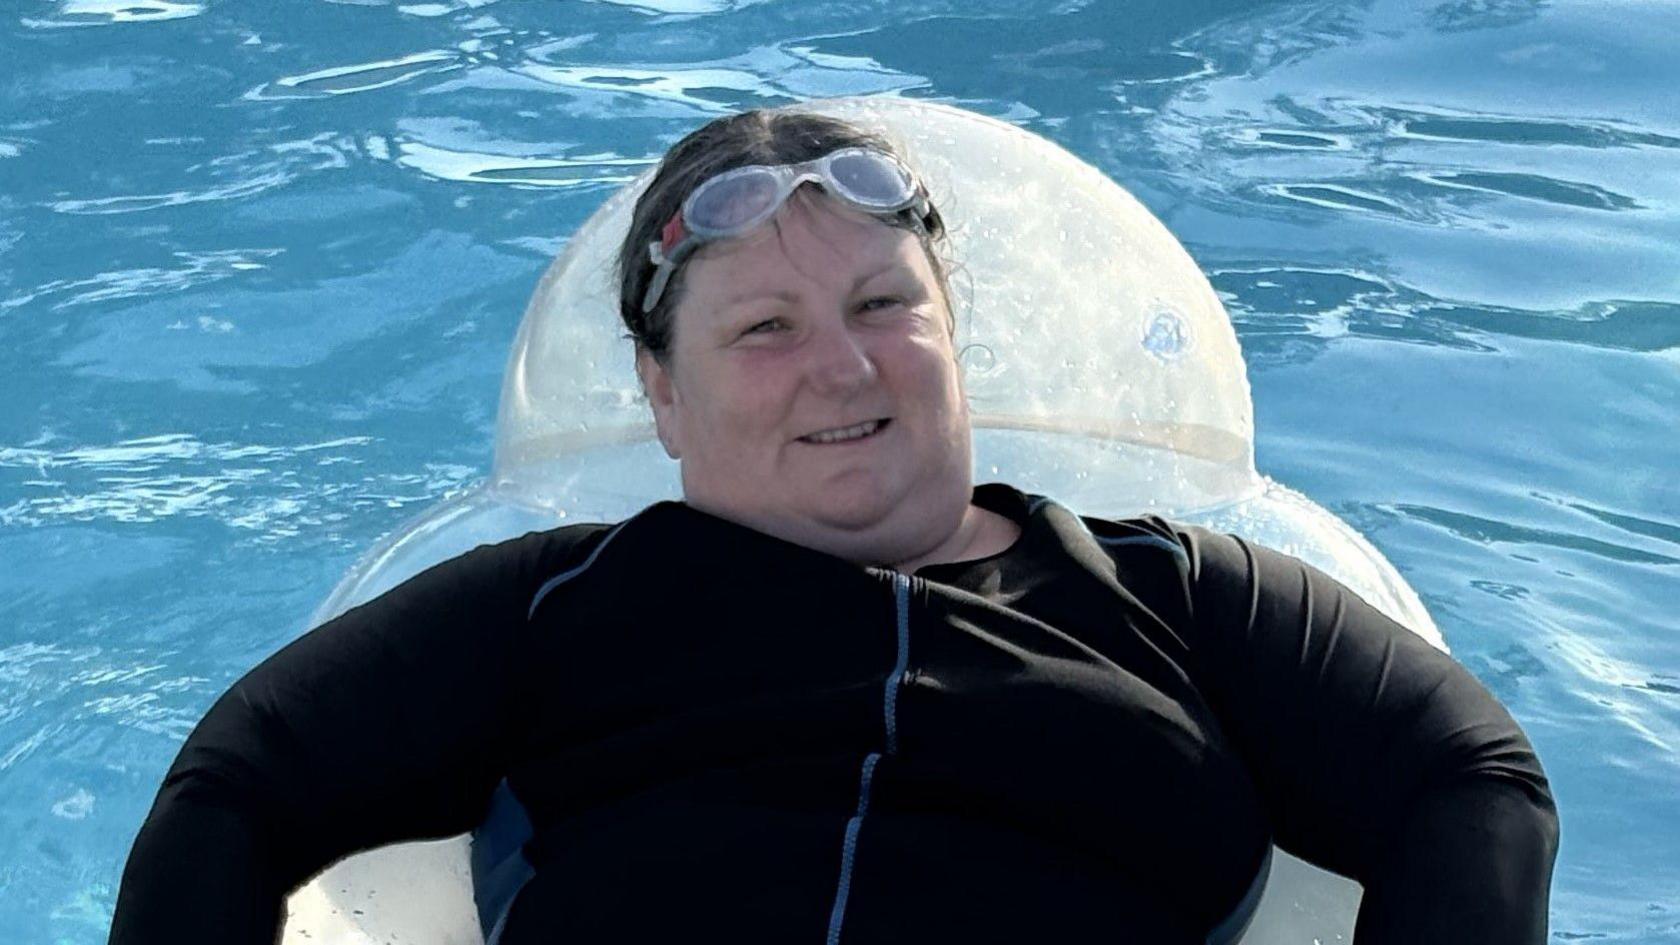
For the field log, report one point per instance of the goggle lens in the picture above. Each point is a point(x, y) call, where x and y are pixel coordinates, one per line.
point(730, 204)
point(870, 179)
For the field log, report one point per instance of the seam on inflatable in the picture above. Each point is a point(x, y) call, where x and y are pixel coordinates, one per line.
point(565, 576)
point(1231, 928)
point(848, 848)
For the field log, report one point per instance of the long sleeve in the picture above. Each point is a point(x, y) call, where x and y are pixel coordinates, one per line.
point(392, 721)
point(1377, 756)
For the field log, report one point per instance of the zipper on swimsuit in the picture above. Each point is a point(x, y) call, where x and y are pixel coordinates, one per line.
point(889, 713)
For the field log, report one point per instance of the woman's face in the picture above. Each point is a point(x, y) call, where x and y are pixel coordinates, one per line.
point(826, 320)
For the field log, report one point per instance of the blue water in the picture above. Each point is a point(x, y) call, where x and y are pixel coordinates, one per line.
point(260, 265)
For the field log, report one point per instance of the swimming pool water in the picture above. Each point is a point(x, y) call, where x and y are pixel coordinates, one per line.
point(260, 266)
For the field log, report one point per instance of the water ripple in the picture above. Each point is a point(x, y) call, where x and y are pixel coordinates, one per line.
point(1666, 532)
point(268, 492)
point(1486, 531)
point(1623, 689)
point(182, 341)
point(1443, 197)
point(478, 167)
point(138, 202)
point(683, 7)
point(1290, 139)
point(1536, 187)
point(196, 269)
point(1622, 324)
point(1518, 131)
point(87, 682)
point(1311, 132)
point(1653, 685)
point(1338, 197)
point(1268, 301)
point(253, 172)
point(362, 77)
point(1464, 15)
point(764, 76)
point(671, 84)
point(104, 12)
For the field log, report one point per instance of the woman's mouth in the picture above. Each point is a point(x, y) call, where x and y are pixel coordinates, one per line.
point(861, 431)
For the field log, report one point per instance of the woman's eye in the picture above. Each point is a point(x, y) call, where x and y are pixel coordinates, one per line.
point(763, 327)
point(881, 302)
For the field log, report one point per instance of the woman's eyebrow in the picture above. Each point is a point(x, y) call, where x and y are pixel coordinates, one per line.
point(784, 295)
point(888, 266)
point(780, 295)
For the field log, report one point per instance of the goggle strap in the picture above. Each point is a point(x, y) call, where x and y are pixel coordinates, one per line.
point(661, 275)
point(673, 232)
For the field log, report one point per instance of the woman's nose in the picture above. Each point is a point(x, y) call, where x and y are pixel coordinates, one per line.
point(840, 361)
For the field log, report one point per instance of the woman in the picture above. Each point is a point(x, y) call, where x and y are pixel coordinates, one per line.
point(837, 692)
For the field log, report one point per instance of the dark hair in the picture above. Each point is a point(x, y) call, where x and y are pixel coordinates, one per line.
point(761, 136)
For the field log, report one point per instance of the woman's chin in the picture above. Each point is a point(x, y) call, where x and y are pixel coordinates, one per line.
point(862, 514)
point(877, 527)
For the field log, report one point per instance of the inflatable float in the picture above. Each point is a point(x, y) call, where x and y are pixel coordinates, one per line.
point(1101, 368)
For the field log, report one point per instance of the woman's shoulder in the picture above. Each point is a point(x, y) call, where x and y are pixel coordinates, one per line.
point(548, 545)
point(520, 564)
point(1140, 531)
point(1148, 546)
point(1147, 531)
point(1195, 550)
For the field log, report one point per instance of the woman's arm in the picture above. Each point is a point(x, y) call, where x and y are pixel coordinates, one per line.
point(1377, 756)
point(392, 721)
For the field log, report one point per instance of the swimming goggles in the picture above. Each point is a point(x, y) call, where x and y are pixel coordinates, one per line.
point(737, 201)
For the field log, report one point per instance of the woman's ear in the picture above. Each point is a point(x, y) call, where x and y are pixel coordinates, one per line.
point(662, 397)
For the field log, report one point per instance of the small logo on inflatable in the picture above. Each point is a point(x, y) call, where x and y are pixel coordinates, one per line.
point(1166, 335)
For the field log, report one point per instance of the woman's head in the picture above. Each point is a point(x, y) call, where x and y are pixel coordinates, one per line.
point(762, 136)
point(768, 351)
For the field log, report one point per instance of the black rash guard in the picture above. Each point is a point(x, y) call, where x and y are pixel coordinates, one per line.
point(1092, 736)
